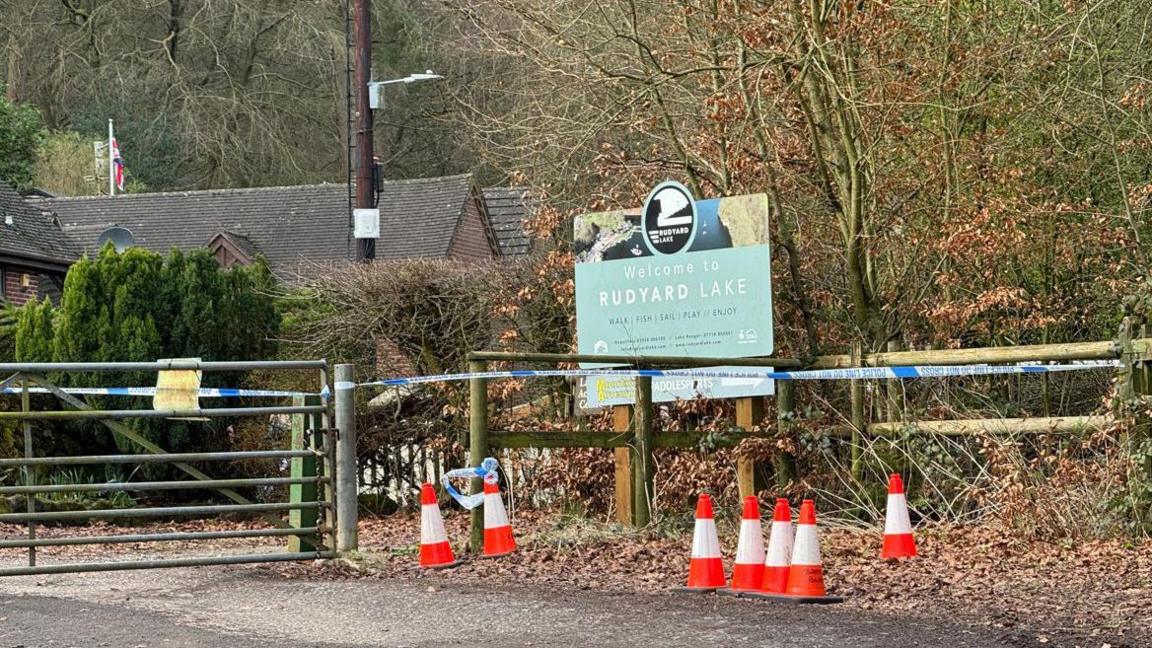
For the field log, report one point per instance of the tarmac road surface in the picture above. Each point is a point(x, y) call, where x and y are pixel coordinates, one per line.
point(255, 607)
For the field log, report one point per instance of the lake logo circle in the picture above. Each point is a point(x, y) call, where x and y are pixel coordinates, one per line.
point(669, 218)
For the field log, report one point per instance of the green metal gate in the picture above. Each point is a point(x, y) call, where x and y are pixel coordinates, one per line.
point(308, 530)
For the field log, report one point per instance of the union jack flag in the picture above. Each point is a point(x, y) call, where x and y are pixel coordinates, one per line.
point(117, 164)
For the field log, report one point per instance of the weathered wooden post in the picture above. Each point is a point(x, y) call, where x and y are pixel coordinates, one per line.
point(859, 421)
point(622, 422)
point(1125, 383)
point(785, 415)
point(894, 391)
point(644, 470)
point(749, 413)
point(1134, 384)
point(1142, 386)
point(1142, 377)
point(304, 428)
point(477, 444)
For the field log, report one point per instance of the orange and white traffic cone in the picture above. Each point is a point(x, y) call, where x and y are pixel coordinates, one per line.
point(748, 572)
point(806, 574)
point(779, 556)
point(898, 539)
point(706, 570)
point(498, 540)
point(435, 551)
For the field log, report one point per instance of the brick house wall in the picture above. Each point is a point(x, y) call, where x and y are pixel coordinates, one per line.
point(20, 284)
point(471, 239)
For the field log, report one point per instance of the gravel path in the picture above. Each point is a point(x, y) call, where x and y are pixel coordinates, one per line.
point(257, 607)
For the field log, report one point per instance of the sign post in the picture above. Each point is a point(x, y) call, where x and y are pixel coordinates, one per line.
point(680, 277)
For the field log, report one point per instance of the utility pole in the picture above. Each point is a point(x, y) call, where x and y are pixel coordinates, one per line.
point(365, 190)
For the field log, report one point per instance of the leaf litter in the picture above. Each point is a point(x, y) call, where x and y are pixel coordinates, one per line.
point(1089, 594)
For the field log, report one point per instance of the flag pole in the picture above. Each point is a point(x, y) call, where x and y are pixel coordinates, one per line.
point(111, 163)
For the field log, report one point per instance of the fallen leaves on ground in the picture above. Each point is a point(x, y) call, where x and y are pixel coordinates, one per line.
point(1038, 593)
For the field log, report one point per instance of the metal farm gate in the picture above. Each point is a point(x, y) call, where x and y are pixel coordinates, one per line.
point(309, 458)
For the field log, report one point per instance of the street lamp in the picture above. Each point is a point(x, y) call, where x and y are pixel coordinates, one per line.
point(365, 215)
point(374, 86)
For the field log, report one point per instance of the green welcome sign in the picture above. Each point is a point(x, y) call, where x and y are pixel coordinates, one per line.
point(678, 277)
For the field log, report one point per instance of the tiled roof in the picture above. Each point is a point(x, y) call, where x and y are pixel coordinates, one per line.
point(508, 208)
point(289, 225)
point(32, 235)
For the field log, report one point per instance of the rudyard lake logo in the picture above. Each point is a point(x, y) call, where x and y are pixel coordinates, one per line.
point(669, 220)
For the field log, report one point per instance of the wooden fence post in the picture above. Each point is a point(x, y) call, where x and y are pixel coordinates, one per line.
point(859, 420)
point(894, 390)
point(785, 415)
point(749, 413)
point(1142, 387)
point(1125, 374)
point(644, 470)
point(1132, 383)
point(622, 422)
point(1143, 377)
point(302, 467)
point(1138, 381)
point(477, 444)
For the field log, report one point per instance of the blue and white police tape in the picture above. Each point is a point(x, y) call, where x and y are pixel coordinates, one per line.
point(487, 470)
point(204, 392)
point(858, 373)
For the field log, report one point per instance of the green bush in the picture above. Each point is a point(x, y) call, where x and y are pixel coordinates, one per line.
point(21, 130)
point(140, 306)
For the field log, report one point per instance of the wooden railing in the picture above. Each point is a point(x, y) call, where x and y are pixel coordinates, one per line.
point(633, 436)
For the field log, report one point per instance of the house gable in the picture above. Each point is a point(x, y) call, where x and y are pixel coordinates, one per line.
point(230, 249)
point(472, 238)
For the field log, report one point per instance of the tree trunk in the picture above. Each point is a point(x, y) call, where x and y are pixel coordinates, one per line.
point(14, 90)
point(827, 79)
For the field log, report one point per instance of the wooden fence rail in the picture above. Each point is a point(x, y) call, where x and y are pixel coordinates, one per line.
point(634, 438)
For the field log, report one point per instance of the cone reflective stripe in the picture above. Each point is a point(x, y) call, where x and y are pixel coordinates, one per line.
point(779, 555)
point(806, 575)
point(435, 551)
point(706, 570)
point(898, 539)
point(498, 540)
point(748, 572)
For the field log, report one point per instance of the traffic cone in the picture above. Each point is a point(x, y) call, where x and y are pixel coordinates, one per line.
point(498, 540)
point(898, 539)
point(779, 549)
point(748, 572)
point(806, 575)
point(435, 551)
point(706, 570)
